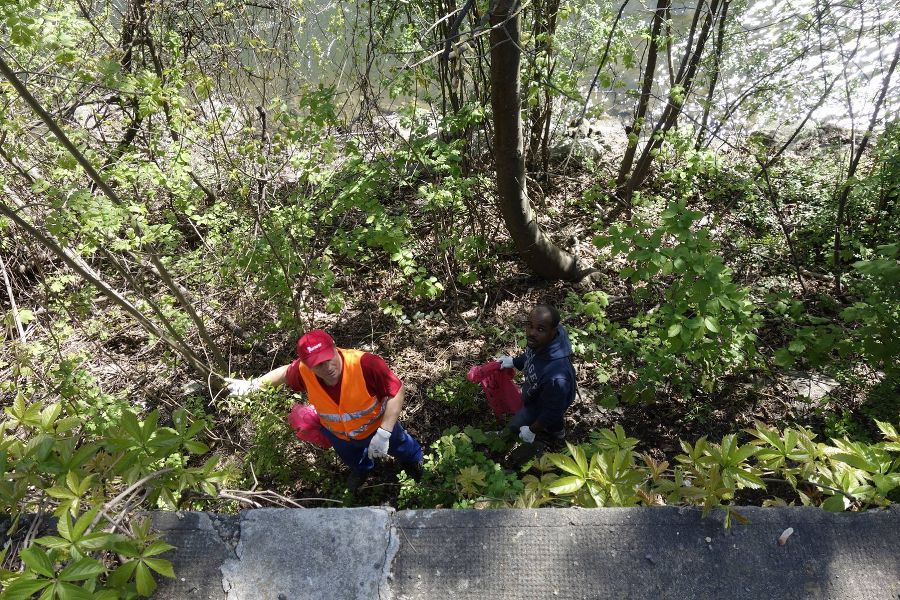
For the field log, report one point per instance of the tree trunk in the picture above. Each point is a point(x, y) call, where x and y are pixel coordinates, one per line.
point(714, 76)
point(646, 87)
point(540, 116)
point(538, 251)
point(673, 108)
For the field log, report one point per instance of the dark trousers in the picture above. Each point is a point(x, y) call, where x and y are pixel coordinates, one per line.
point(528, 415)
point(355, 453)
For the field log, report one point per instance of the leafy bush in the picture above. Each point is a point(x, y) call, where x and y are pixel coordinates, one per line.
point(77, 386)
point(609, 472)
point(457, 475)
point(269, 454)
point(93, 479)
point(878, 312)
point(456, 393)
point(700, 325)
point(869, 328)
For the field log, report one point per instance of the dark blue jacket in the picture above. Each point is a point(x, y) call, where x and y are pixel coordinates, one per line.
point(549, 384)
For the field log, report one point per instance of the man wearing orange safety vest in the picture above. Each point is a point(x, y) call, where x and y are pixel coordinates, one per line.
point(358, 399)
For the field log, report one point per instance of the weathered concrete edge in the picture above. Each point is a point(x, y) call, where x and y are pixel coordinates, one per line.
point(390, 553)
point(223, 532)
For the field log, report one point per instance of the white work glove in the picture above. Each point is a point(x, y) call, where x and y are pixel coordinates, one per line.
point(378, 447)
point(242, 387)
point(526, 434)
point(506, 362)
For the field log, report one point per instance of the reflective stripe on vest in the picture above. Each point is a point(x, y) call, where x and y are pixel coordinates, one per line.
point(359, 413)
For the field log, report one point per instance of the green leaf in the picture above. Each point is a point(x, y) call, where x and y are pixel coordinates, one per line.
point(674, 329)
point(72, 480)
point(750, 479)
point(129, 423)
point(161, 566)
point(886, 483)
point(566, 485)
point(694, 323)
point(768, 435)
point(146, 585)
point(81, 570)
point(580, 458)
point(470, 479)
point(195, 447)
point(889, 431)
point(566, 464)
point(160, 547)
point(796, 347)
point(68, 591)
point(855, 461)
point(101, 541)
point(836, 503)
point(38, 561)
point(61, 493)
point(783, 358)
point(67, 424)
point(745, 452)
point(83, 522)
point(49, 415)
point(712, 324)
point(53, 542)
point(120, 577)
point(149, 425)
point(23, 589)
point(64, 526)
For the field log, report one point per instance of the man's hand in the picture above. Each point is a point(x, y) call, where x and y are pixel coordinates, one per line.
point(378, 447)
point(526, 434)
point(506, 362)
point(242, 387)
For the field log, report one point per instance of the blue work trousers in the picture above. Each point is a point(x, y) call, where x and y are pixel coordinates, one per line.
point(355, 453)
point(528, 415)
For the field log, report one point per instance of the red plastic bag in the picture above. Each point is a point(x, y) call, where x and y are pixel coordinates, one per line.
point(304, 420)
point(503, 396)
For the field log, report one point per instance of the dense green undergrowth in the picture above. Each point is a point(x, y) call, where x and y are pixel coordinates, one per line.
point(277, 200)
point(93, 477)
point(609, 471)
point(96, 475)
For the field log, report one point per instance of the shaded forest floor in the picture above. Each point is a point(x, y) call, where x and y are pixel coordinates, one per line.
point(433, 343)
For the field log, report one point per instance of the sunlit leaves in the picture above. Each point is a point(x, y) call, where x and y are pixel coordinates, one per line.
point(704, 324)
point(607, 473)
point(65, 466)
point(470, 480)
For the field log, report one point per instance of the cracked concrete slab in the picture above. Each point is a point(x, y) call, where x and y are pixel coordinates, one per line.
point(203, 542)
point(313, 553)
point(665, 552)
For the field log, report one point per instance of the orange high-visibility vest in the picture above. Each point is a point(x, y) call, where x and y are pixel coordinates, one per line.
point(358, 414)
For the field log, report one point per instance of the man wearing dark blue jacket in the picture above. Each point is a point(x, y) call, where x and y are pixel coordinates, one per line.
point(549, 386)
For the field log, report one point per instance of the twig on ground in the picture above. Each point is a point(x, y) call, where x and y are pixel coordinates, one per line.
point(268, 497)
point(134, 486)
point(12, 301)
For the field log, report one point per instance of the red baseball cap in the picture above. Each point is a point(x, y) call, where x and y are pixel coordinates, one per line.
point(314, 347)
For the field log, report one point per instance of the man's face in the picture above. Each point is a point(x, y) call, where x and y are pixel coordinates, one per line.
point(329, 370)
point(539, 329)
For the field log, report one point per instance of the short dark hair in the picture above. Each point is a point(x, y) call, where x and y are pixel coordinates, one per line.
point(554, 314)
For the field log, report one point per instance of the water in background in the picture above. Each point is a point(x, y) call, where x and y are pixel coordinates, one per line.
point(330, 44)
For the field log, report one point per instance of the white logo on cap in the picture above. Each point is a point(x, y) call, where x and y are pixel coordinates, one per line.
point(316, 347)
